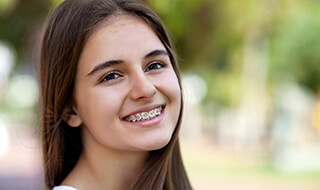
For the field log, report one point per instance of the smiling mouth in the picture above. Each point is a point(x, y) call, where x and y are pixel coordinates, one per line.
point(142, 116)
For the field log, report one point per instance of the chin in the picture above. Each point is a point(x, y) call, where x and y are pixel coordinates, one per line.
point(157, 143)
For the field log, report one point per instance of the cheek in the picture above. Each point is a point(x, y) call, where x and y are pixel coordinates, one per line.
point(98, 104)
point(170, 89)
point(170, 86)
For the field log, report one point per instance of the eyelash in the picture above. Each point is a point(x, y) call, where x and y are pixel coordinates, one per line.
point(157, 64)
point(114, 76)
point(107, 77)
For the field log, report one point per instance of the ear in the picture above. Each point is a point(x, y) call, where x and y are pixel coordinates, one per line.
point(73, 119)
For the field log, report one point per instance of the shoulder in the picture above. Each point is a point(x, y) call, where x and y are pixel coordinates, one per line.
point(63, 187)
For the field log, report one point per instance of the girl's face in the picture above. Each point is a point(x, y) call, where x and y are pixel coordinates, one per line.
point(127, 95)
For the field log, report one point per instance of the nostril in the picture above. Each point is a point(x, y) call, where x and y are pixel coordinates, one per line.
point(154, 92)
point(142, 90)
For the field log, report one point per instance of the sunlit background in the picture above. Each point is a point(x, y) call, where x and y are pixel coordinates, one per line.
point(251, 78)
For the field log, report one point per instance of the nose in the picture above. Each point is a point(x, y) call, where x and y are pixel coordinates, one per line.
point(142, 88)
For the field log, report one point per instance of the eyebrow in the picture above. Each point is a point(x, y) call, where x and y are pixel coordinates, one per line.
point(155, 53)
point(105, 65)
point(110, 63)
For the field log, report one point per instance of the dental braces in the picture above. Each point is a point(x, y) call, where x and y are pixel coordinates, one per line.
point(145, 115)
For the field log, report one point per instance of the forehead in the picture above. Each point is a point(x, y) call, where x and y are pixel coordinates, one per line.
point(122, 30)
point(120, 37)
point(122, 26)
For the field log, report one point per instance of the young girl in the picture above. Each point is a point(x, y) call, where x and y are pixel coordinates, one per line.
point(111, 99)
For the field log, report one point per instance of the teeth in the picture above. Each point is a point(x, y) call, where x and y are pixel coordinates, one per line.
point(145, 115)
point(132, 118)
point(152, 114)
point(138, 117)
point(157, 111)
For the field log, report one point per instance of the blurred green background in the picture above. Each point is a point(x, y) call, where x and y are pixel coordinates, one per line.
point(251, 78)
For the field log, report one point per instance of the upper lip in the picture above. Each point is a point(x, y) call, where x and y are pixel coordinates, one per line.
point(144, 109)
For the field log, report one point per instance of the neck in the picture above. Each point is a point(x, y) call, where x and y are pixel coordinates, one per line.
point(103, 168)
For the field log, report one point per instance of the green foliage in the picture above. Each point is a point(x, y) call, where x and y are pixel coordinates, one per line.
point(19, 25)
point(296, 48)
point(7, 6)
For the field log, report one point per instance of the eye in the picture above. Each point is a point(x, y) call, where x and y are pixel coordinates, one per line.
point(155, 66)
point(110, 77)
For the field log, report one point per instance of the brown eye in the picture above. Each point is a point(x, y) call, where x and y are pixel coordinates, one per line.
point(154, 66)
point(110, 77)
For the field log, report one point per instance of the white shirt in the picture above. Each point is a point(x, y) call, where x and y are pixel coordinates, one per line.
point(63, 187)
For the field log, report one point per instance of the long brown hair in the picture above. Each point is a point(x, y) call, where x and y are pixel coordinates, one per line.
point(68, 29)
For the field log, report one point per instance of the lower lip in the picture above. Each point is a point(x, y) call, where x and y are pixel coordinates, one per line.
point(148, 123)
